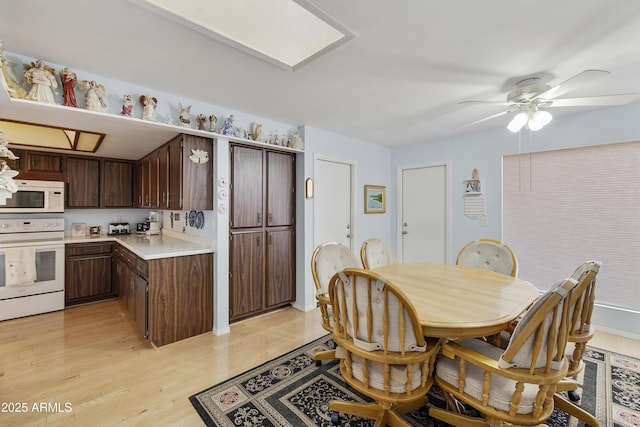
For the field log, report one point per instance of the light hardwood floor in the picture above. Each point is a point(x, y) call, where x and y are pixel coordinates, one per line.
point(91, 358)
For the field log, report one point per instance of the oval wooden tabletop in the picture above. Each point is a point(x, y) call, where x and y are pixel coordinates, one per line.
point(455, 301)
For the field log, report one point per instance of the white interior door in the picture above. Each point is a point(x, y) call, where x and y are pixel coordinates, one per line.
point(424, 213)
point(332, 202)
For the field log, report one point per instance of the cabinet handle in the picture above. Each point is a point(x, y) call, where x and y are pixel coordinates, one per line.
point(259, 218)
point(258, 239)
point(270, 217)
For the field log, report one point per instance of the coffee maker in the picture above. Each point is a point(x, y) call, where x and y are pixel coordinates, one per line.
point(155, 223)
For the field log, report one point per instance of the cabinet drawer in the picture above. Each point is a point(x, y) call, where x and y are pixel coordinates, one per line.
point(127, 257)
point(89, 249)
point(142, 267)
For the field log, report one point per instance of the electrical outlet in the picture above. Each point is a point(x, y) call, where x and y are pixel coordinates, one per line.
point(484, 222)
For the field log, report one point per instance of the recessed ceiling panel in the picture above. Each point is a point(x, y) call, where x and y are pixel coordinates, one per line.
point(284, 32)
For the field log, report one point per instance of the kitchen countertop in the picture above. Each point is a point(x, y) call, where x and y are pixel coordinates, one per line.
point(150, 247)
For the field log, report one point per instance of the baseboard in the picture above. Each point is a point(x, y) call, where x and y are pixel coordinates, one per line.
point(221, 331)
point(617, 321)
point(304, 308)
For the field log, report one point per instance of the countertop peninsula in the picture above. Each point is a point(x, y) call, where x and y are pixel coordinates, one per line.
point(151, 247)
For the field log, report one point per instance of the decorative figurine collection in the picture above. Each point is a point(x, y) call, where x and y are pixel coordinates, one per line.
point(42, 79)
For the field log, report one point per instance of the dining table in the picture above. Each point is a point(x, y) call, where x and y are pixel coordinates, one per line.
point(456, 301)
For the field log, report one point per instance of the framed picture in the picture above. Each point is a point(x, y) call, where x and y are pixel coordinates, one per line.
point(78, 229)
point(375, 199)
point(472, 186)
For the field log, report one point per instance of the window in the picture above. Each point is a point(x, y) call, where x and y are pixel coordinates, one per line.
point(562, 208)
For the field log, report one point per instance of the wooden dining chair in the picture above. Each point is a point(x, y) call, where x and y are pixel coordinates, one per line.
point(489, 254)
point(327, 260)
point(382, 351)
point(375, 253)
point(515, 385)
point(580, 332)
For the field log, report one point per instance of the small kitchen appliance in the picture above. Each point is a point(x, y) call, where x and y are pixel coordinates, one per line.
point(119, 228)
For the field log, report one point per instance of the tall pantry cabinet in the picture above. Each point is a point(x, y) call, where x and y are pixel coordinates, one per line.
point(262, 223)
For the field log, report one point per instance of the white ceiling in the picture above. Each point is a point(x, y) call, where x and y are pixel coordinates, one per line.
point(399, 81)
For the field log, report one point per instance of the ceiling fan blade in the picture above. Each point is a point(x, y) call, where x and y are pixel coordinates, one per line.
point(573, 83)
point(493, 116)
point(593, 100)
point(475, 101)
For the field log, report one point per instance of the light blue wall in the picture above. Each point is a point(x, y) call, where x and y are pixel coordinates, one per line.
point(484, 151)
point(371, 167)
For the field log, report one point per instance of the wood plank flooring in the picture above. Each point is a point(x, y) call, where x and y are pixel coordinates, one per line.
point(91, 359)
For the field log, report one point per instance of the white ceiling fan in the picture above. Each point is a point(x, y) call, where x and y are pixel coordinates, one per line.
point(530, 99)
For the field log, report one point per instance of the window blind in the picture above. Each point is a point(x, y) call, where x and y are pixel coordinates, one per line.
point(562, 208)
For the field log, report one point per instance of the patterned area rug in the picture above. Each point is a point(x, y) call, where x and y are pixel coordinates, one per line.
point(292, 391)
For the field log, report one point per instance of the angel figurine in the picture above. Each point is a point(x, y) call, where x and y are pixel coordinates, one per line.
point(94, 95)
point(4, 150)
point(68, 79)
point(185, 115)
point(6, 178)
point(149, 104)
point(15, 90)
point(127, 105)
point(257, 132)
point(201, 122)
point(213, 121)
point(42, 80)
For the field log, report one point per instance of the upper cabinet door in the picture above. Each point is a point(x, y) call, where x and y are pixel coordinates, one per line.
point(280, 189)
point(247, 187)
point(118, 184)
point(197, 173)
point(83, 182)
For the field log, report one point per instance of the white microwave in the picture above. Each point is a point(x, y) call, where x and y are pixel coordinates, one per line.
point(35, 196)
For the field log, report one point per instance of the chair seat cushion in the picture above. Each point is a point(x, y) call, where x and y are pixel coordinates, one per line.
point(502, 389)
point(398, 373)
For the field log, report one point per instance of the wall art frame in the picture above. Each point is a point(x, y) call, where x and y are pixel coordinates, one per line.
point(375, 199)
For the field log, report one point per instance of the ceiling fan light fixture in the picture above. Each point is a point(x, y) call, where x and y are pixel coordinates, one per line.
point(518, 122)
point(539, 119)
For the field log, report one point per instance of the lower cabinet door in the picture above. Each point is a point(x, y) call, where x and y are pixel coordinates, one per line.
point(246, 284)
point(279, 286)
point(88, 279)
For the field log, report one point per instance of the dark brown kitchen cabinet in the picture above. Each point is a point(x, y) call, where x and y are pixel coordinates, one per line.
point(262, 222)
point(38, 165)
point(164, 306)
point(88, 272)
point(190, 173)
point(132, 288)
point(44, 162)
point(280, 189)
point(153, 180)
point(162, 155)
point(280, 272)
point(246, 266)
point(247, 187)
point(117, 183)
point(178, 175)
point(82, 176)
